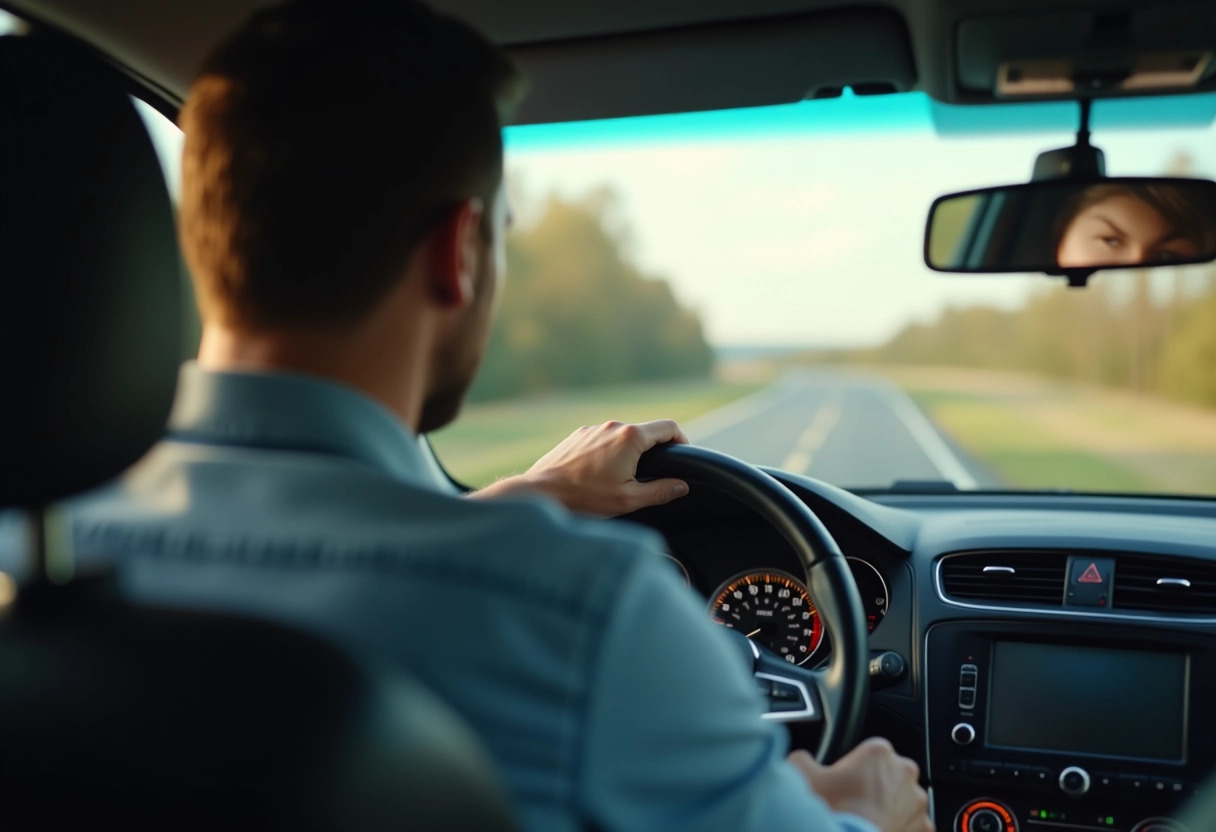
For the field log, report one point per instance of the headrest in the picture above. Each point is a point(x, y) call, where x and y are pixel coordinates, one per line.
point(90, 277)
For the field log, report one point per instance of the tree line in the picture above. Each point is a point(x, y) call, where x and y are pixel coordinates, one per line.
point(577, 311)
point(1152, 332)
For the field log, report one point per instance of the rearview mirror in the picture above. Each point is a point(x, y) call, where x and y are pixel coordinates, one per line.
point(1073, 228)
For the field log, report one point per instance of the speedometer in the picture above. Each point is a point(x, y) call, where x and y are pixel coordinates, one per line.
point(773, 608)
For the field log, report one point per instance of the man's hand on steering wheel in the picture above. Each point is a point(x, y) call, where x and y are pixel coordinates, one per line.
point(593, 471)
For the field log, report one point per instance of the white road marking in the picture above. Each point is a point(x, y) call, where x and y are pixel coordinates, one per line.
point(923, 433)
point(748, 407)
point(926, 436)
point(812, 439)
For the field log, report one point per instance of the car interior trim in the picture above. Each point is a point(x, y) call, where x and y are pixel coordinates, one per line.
point(1130, 616)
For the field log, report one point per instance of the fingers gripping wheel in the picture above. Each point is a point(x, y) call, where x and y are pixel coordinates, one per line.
point(837, 695)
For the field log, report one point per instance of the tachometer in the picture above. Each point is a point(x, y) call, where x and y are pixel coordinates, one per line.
point(872, 589)
point(773, 608)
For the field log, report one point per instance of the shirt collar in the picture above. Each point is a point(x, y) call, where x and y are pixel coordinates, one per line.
point(291, 411)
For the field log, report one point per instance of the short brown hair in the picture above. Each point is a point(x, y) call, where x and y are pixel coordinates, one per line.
point(323, 139)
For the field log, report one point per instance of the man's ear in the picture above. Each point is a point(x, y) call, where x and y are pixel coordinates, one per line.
point(457, 249)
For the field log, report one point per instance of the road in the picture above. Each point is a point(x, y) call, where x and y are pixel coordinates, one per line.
point(848, 429)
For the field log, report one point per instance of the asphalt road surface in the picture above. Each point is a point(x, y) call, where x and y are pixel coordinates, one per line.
point(848, 429)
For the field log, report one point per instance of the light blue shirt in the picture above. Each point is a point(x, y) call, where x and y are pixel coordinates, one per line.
point(595, 678)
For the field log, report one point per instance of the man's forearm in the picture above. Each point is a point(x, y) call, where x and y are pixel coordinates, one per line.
point(512, 486)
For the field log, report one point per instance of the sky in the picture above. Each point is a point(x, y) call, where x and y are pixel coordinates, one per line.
point(804, 224)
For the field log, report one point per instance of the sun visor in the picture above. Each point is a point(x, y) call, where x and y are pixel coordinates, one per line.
point(716, 67)
point(1162, 48)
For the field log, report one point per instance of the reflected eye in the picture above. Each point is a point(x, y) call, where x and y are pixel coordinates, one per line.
point(1164, 257)
point(1112, 242)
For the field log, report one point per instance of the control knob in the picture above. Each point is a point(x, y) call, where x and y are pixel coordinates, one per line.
point(1159, 825)
point(986, 820)
point(1074, 781)
point(985, 815)
point(963, 733)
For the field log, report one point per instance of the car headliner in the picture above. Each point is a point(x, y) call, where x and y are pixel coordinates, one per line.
point(600, 58)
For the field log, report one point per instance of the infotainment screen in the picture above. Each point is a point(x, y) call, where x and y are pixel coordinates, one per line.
point(1087, 700)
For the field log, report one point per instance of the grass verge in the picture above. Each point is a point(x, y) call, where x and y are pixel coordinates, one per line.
point(496, 439)
point(1019, 451)
point(1039, 433)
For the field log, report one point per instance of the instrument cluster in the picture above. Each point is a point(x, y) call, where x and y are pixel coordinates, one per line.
point(776, 609)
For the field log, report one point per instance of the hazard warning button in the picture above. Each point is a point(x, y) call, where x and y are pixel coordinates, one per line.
point(1089, 581)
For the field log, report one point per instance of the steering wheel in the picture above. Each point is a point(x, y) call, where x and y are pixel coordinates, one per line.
point(836, 695)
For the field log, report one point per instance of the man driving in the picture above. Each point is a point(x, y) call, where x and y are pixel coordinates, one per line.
point(343, 217)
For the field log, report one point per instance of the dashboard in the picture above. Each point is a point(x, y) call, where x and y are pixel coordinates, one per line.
point(1057, 652)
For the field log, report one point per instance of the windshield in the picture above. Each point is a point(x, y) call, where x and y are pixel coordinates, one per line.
point(758, 276)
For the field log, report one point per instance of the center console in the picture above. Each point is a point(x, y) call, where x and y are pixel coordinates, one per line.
point(1068, 726)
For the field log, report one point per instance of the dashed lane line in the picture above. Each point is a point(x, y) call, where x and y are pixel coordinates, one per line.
point(812, 439)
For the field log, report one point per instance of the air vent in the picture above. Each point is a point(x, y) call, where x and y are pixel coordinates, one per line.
point(1006, 576)
point(1170, 585)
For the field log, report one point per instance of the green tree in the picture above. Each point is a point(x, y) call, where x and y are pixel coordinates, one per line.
point(1187, 371)
point(578, 312)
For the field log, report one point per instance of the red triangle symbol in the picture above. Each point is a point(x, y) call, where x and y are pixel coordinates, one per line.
point(1090, 575)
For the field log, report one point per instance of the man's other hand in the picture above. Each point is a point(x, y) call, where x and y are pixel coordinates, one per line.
point(594, 470)
point(873, 782)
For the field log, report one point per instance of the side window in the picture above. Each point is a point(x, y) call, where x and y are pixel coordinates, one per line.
point(168, 142)
point(168, 139)
point(10, 24)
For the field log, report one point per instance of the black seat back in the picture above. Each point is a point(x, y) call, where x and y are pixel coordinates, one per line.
point(118, 716)
point(114, 716)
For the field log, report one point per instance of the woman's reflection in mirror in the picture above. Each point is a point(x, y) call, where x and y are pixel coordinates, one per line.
point(1127, 224)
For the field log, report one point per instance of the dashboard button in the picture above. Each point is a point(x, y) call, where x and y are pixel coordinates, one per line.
point(1164, 785)
point(1089, 581)
point(966, 679)
point(1134, 783)
point(962, 734)
point(1017, 773)
point(985, 769)
point(1106, 782)
point(1042, 775)
point(966, 698)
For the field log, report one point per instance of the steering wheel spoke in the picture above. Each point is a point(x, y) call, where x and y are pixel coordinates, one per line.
point(793, 693)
